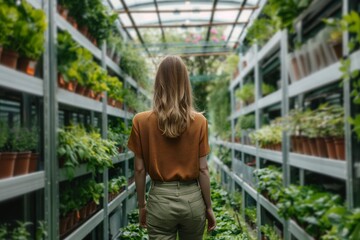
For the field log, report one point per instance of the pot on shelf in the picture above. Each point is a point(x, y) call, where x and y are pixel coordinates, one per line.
point(321, 147)
point(22, 163)
point(7, 162)
point(72, 21)
point(84, 30)
point(330, 146)
point(306, 146)
point(33, 162)
point(61, 81)
point(83, 212)
point(1, 49)
point(62, 11)
point(80, 89)
point(89, 93)
point(313, 148)
point(9, 58)
point(118, 104)
point(64, 222)
point(71, 86)
point(340, 148)
point(27, 65)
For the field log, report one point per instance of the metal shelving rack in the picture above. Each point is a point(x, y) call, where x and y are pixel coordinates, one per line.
point(49, 178)
point(342, 170)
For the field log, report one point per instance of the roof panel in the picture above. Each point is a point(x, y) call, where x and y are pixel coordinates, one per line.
point(245, 15)
point(228, 16)
point(144, 18)
point(125, 19)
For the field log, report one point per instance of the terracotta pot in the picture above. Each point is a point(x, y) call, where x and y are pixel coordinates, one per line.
point(321, 147)
point(27, 65)
point(1, 49)
point(72, 21)
point(330, 146)
point(306, 146)
point(93, 207)
point(71, 86)
point(118, 104)
point(76, 216)
point(313, 148)
point(340, 148)
point(94, 41)
point(7, 163)
point(71, 220)
point(83, 213)
point(22, 163)
point(278, 147)
point(98, 96)
point(64, 222)
point(80, 89)
point(33, 162)
point(84, 30)
point(9, 58)
point(61, 81)
point(62, 11)
point(111, 102)
point(90, 93)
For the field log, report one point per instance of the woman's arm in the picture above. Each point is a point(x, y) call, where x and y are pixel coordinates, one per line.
point(204, 180)
point(140, 176)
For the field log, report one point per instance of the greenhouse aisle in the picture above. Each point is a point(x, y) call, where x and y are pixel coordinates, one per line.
point(277, 80)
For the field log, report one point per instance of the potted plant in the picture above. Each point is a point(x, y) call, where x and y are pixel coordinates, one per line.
point(7, 156)
point(250, 214)
point(33, 37)
point(10, 20)
point(266, 89)
point(246, 93)
point(33, 144)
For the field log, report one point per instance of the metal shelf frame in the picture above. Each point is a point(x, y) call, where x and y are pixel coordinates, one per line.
point(20, 185)
point(331, 74)
point(52, 96)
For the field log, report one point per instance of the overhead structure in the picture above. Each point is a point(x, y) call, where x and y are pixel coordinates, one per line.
point(208, 26)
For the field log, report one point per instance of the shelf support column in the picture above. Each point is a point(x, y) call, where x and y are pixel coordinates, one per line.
point(51, 124)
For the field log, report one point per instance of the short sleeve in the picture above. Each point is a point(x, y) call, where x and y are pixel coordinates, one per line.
point(204, 148)
point(134, 143)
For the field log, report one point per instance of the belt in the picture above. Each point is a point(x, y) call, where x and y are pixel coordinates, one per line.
point(175, 183)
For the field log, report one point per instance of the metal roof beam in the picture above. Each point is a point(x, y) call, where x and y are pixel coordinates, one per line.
point(171, 2)
point(211, 20)
point(180, 44)
point(158, 14)
point(134, 26)
point(196, 10)
point(233, 27)
point(185, 25)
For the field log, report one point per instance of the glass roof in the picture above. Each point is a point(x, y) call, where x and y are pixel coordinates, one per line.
point(184, 26)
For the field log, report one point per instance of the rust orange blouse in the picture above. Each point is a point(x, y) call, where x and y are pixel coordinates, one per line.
point(169, 159)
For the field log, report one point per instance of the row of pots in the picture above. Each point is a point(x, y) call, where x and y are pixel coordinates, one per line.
point(274, 147)
point(83, 29)
point(73, 86)
point(330, 147)
point(131, 180)
point(75, 217)
point(17, 163)
point(13, 60)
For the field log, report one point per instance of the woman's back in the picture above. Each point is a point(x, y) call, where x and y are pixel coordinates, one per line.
point(170, 159)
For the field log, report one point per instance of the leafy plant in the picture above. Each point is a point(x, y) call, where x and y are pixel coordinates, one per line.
point(4, 134)
point(266, 89)
point(116, 184)
point(134, 232)
point(250, 213)
point(270, 181)
point(270, 134)
point(246, 93)
point(32, 35)
point(9, 15)
point(247, 121)
point(3, 231)
point(20, 232)
point(269, 232)
point(41, 232)
point(21, 139)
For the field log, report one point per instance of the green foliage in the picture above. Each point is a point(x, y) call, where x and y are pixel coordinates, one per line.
point(134, 65)
point(266, 89)
point(20, 232)
point(41, 232)
point(3, 231)
point(231, 64)
point(133, 216)
point(22, 139)
point(269, 180)
point(24, 28)
point(246, 93)
point(119, 134)
point(4, 134)
point(76, 146)
point(246, 121)
point(270, 134)
point(116, 184)
point(250, 213)
point(219, 108)
point(269, 232)
point(224, 154)
point(134, 232)
point(9, 16)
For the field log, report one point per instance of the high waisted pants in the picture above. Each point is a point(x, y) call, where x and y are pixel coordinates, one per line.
point(175, 208)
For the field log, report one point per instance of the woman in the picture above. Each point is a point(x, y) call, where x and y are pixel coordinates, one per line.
point(170, 143)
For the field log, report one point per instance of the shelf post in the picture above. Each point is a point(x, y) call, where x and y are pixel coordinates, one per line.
point(51, 124)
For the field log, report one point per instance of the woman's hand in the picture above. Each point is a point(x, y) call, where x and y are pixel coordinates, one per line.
point(211, 219)
point(142, 217)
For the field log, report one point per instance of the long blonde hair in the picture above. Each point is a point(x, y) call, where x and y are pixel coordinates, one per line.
point(173, 101)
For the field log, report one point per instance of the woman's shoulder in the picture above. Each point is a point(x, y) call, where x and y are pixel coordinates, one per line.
point(199, 116)
point(141, 116)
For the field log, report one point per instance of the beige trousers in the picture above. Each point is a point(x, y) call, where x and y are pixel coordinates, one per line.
point(175, 208)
